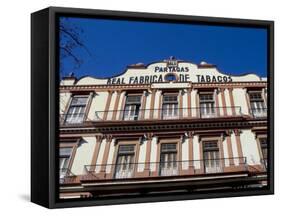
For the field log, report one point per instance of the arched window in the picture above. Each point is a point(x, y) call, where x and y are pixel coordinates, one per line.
point(170, 77)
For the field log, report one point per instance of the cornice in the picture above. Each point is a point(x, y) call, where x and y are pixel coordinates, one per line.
point(156, 127)
point(125, 87)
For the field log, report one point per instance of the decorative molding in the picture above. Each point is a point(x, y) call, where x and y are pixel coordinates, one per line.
point(116, 103)
point(124, 87)
point(99, 138)
point(183, 138)
point(228, 132)
point(108, 138)
point(237, 132)
point(182, 91)
point(120, 126)
point(189, 102)
point(222, 91)
point(107, 105)
point(189, 134)
point(148, 136)
point(152, 103)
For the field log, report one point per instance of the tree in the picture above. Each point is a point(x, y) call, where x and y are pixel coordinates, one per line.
point(70, 44)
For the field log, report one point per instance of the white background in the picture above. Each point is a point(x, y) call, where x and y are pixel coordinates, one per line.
point(15, 107)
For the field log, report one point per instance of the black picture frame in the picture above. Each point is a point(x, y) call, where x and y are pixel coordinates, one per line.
point(44, 103)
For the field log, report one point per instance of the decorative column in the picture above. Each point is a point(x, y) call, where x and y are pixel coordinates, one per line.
point(217, 101)
point(108, 100)
point(201, 154)
point(247, 100)
point(158, 144)
point(143, 104)
point(197, 103)
point(121, 112)
point(179, 158)
point(264, 97)
point(229, 147)
point(160, 105)
point(230, 90)
point(221, 150)
point(189, 114)
point(105, 154)
point(237, 133)
point(99, 139)
point(181, 92)
point(148, 153)
point(190, 151)
point(116, 105)
point(152, 103)
point(223, 101)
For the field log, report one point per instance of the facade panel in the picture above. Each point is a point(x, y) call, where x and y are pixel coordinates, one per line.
point(165, 122)
point(83, 155)
point(249, 147)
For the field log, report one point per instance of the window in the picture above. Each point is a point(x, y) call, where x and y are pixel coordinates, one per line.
point(170, 106)
point(125, 161)
point(65, 155)
point(257, 104)
point(207, 105)
point(263, 145)
point(212, 161)
point(168, 160)
point(76, 110)
point(170, 77)
point(132, 107)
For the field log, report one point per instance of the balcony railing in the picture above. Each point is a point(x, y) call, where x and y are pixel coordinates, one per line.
point(264, 163)
point(65, 174)
point(165, 114)
point(259, 112)
point(167, 168)
point(70, 119)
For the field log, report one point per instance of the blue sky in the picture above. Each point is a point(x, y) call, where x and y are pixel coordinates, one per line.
point(114, 44)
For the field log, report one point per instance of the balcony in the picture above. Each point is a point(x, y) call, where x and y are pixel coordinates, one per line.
point(72, 119)
point(259, 112)
point(66, 176)
point(264, 163)
point(166, 169)
point(167, 114)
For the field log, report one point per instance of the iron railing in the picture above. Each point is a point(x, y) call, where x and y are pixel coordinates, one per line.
point(264, 163)
point(162, 114)
point(168, 168)
point(65, 173)
point(165, 114)
point(259, 112)
point(70, 119)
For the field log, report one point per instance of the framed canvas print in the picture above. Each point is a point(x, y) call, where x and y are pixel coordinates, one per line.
point(139, 107)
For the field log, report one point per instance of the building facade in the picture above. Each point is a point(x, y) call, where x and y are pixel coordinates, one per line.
point(170, 126)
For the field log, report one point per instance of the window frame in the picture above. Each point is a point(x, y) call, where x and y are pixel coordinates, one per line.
point(263, 161)
point(130, 104)
point(212, 101)
point(168, 140)
point(168, 152)
point(212, 162)
point(70, 105)
point(73, 143)
point(262, 101)
point(134, 141)
point(175, 109)
point(208, 137)
point(258, 139)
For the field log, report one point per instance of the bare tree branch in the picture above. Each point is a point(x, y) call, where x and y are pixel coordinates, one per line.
point(75, 39)
point(72, 55)
point(70, 40)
